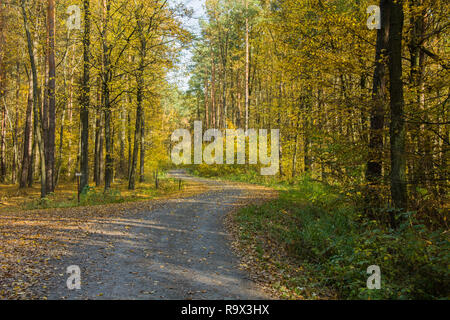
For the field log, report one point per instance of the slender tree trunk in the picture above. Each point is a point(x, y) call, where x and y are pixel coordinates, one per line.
point(33, 159)
point(397, 127)
point(15, 133)
point(137, 132)
point(97, 131)
point(36, 102)
point(60, 153)
point(142, 151)
point(50, 143)
point(423, 166)
point(130, 146)
point(85, 97)
point(280, 147)
point(224, 84)
point(247, 50)
point(27, 139)
point(213, 90)
point(2, 98)
point(306, 146)
point(98, 160)
point(379, 102)
point(106, 75)
point(69, 131)
point(122, 134)
point(294, 156)
point(3, 143)
point(239, 101)
point(206, 101)
point(113, 136)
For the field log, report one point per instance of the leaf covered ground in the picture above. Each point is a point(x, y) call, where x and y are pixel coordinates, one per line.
point(29, 239)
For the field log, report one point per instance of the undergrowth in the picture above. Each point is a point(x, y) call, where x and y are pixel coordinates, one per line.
point(91, 196)
point(323, 230)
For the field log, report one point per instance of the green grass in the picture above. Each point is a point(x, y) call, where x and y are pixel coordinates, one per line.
point(97, 196)
point(322, 230)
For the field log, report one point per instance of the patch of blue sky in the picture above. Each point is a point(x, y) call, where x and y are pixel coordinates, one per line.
point(180, 75)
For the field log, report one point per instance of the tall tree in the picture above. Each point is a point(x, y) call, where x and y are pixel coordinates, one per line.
point(397, 125)
point(50, 136)
point(27, 139)
point(106, 82)
point(142, 51)
point(378, 107)
point(247, 63)
point(85, 98)
point(2, 98)
point(36, 100)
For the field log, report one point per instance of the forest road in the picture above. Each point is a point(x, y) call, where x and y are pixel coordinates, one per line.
point(179, 250)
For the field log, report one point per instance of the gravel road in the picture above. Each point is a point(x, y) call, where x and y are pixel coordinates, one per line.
point(178, 250)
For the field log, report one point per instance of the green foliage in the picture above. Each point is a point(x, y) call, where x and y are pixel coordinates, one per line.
point(324, 231)
point(91, 196)
point(40, 203)
point(247, 173)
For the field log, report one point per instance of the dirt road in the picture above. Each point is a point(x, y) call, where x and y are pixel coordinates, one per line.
point(179, 250)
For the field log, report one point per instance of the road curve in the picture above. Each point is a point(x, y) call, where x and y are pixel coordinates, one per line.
point(178, 250)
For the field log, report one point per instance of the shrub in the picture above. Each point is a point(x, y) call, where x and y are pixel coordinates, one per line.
point(322, 229)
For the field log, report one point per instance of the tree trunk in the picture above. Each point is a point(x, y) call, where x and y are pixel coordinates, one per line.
point(306, 146)
point(27, 140)
point(98, 159)
point(206, 101)
point(130, 146)
point(397, 127)
point(97, 132)
point(142, 150)
point(106, 79)
point(379, 102)
point(36, 102)
point(2, 99)
point(3, 144)
point(213, 90)
point(247, 49)
point(33, 160)
point(137, 132)
point(50, 136)
point(85, 94)
point(15, 140)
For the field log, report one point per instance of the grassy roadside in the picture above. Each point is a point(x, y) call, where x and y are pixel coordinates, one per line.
point(313, 243)
point(65, 196)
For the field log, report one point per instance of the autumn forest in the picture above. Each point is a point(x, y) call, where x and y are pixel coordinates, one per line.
point(88, 104)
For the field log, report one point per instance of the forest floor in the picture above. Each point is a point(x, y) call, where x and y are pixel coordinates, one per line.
point(65, 196)
point(173, 248)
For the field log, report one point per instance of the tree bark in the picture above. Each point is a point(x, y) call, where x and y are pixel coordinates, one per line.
point(106, 79)
point(3, 142)
point(15, 140)
point(2, 98)
point(36, 102)
point(246, 67)
point(213, 90)
point(27, 140)
point(142, 150)
point(85, 97)
point(139, 99)
point(50, 143)
point(374, 169)
point(397, 126)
